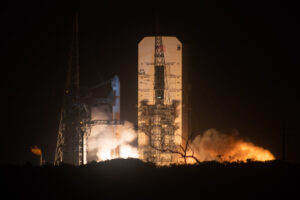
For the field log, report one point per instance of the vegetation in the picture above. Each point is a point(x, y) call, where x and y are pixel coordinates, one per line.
point(133, 179)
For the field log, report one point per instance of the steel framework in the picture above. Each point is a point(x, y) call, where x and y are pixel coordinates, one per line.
point(75, 118)
point(70, 139)
point(158, 120)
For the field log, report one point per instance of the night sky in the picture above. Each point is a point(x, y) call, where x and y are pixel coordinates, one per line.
point(242, 63)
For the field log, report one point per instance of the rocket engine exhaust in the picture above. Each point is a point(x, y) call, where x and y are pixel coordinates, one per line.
point(214, 145)
point(102, 141)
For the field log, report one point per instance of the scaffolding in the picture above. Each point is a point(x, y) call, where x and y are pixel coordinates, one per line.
point(75, 118)
point(158, 123)
point(71, 133)
point(158, 120)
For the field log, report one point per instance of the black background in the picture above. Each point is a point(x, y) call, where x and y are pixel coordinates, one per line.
point(242, 59)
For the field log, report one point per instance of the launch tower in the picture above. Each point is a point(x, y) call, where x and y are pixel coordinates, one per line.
point(75, 118)
point(70, 141)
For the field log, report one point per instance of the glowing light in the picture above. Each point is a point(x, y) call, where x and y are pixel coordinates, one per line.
point(36, 151)
point(104, 154)
point(127, 151)
point(102, 141)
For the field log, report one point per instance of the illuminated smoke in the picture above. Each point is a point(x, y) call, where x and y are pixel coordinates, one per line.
point(102, 139)
point(211, 145)
point(214, 145)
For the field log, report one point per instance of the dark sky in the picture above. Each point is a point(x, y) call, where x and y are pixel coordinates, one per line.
point(242, 61)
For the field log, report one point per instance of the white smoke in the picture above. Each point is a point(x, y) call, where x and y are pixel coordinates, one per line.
point(211, 145)
point(103, 140)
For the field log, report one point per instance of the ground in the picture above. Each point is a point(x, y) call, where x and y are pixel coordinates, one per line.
point(133, 179)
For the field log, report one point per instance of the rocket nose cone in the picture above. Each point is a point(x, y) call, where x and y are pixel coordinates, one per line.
point(116, 77)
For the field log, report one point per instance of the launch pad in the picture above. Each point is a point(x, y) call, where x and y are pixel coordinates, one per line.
point(160, 107)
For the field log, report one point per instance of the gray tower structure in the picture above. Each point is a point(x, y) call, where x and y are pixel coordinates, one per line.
point(75, 118)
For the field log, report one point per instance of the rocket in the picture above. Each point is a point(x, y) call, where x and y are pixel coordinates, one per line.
point(115, 84)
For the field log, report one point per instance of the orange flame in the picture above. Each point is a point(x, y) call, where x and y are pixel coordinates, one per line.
point(213, 145)
point(244, 151)
point(36, 151)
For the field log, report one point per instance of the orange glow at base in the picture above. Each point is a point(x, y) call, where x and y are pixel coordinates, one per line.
point(214, 145)
point(246, 150)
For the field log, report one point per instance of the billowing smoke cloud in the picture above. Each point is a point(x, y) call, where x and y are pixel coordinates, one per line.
point(103, 140)
point(211, 145)
point(214, 145)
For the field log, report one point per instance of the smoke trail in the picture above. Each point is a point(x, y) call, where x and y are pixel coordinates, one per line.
point(214, 145)
point(102, 140)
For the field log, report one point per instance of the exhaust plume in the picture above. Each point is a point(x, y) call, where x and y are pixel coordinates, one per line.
point(211, 145)
point(214, 145)
point(102, 140)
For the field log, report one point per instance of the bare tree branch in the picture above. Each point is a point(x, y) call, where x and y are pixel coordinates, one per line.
point(183, 150)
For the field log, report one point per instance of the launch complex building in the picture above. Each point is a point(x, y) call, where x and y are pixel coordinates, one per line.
point(162, 105)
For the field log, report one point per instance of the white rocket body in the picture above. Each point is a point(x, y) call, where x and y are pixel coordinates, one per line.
point(115, 84)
